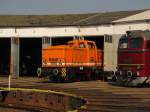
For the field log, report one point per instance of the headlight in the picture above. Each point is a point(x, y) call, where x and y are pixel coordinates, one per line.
point(138, 73)
point(140, 67)
point(44, 62)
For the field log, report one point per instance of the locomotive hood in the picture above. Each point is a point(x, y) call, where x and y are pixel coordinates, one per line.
point(58, 46)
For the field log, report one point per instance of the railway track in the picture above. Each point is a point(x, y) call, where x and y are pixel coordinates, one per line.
point(101, 96)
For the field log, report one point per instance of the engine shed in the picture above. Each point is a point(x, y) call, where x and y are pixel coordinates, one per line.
point(21, 43)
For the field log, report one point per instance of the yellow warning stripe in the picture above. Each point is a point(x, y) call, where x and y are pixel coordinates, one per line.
point(132, 64)
point(72, 111)
point(82, 107)
point(63, 72)
point(39, 90)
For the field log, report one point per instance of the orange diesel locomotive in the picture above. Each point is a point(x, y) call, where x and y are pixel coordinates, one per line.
point(78, 60)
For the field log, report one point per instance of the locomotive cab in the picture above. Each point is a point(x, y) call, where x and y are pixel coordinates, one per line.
point(133, 59)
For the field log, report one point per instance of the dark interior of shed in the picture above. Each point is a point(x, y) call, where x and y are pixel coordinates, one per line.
point(5, 56)
point(30, 56)
point(99, 40)
point(61, 40)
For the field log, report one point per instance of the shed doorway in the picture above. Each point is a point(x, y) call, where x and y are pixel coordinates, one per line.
point(30, 56)
point(5, 48)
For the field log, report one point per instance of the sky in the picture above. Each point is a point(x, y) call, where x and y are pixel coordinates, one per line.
point(45, 7)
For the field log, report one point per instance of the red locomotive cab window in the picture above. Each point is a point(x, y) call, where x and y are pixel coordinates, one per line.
point(136, 43)
point(148, 44)
point(123, 44)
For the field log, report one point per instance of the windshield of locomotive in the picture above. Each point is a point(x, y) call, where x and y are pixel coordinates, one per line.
point(136, 43)
point(123, 43)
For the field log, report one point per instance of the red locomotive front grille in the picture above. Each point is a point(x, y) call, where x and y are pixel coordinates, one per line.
point(132, 61)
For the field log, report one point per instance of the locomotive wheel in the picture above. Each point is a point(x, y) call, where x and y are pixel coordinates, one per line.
point(51, 79)
point(72, 75)
point(88, 77)
point(55, 71)
point(121, 81)
point(66, 79)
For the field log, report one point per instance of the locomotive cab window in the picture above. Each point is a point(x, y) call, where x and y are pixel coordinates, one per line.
point(148, 44)
point(90, 45)
point(136, 43)
point(81, 45)
point(123, 44)
point(70, 44)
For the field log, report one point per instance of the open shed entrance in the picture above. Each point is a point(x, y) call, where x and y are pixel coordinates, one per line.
point(99, 40)
point(61, 40)
point(5, 48)
point(30, 56)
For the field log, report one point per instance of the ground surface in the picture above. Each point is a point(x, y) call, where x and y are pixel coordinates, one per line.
point(101, 96)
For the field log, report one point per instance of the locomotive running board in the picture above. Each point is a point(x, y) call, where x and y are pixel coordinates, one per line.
point(34, 99)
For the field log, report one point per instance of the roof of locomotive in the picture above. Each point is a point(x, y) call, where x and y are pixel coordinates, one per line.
point(66, 45)
point(137, 34)
point(79, 41)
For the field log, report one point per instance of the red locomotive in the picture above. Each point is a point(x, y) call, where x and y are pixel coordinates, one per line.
point(134, 59)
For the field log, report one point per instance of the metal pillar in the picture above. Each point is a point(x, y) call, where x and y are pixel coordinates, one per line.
point(108, 57)
point(14, 57)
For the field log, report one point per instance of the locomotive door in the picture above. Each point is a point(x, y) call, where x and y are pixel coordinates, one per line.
point(91, 53)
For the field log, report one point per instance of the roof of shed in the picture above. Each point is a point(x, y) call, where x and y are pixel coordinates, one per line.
point(64, 20)
point(136, 17)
